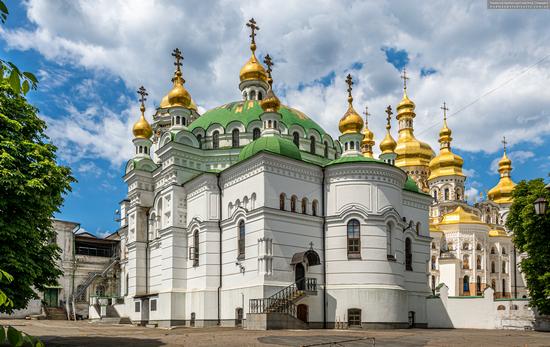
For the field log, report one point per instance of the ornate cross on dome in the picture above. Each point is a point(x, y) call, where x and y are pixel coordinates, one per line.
point(504, 143)
point(253, 27)
point(269, 63)
point(143, 93)
point(388, 118)
point(405, 78)
point(178, 56)
point(367, 114)
point(445, 109)
point(349, 82)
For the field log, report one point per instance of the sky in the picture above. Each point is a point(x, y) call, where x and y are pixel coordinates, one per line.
point(491, 67)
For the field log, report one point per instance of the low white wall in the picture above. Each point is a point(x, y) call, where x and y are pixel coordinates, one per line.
point(478, 312)
point(34, 307)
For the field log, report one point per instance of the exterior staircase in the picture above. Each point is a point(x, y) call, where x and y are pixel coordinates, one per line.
point(279, 310)
point(93, 275)
point(56, 313)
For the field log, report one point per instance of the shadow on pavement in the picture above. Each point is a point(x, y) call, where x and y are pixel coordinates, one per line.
point(99, 341)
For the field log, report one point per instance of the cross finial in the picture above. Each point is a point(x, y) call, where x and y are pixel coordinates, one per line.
point(253, 27)
point(178, 56)
point(269, 63)
point(504, 143)
point(405, 78)
point(367, 114)
point(311, 245)
point(349, 81)
point(143, 93)
point(388, 118)
point(445, 109)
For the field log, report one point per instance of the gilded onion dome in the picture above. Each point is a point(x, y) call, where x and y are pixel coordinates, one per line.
point(368, 137)
point(410, 151)
point(271, 102)
point(178, 96)
point(446, 163)
point(351, 122)
point(164, 103)
point(388, 144)
point(142, 129)
point(502, 192)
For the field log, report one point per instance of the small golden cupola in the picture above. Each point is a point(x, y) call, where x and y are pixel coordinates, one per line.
point(446, 163)
point(388, 144)
point(271, 102)
point(502, 192)
point(142, 129)
point(368, 137)
point(351, 122)
point(178, 96)
point(253, 69)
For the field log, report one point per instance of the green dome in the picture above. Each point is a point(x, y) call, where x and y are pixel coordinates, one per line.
point(354, 159)
point(248, 111)
point(411, 186)
point(272, 144)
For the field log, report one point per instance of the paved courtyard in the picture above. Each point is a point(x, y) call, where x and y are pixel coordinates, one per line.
point(83, 333)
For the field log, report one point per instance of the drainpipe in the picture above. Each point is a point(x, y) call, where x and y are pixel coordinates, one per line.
point(324, 214)
point(220, 252)
point(147, 252)
point(74, 272)
point(515, 275)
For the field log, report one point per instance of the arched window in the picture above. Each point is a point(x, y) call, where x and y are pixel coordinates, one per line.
point(465, 246)
point(354, 238)
point(346, 146)
point(252, 95)
point(352, 145)
point(293, 201)
point(434, 194)
point(503, 287)
point(466, 285)
point(465, 262)
point(195, 248)
point(314, 206)
point(354, 317)
point(256, 133)
point(478, 285)
point(433, 262)
point(269, 124)
point(235, 138)
point(503, 267)
point(304, 206)
point(446, 193)
point(408, 254)
point(199, 139)
point(260, 96)
point(503, 251)
point(457, 194)
point(326, 149)
point(127, 284)
point(241, 244)
point(493, 250)
point(418, 228)
point(274, 124)
point(312, 145)
point(216, 139)
point(389, 236)
point(282, 201)
point(478, 247)
point(478, 262)
point(296, 139)
point(493, 267)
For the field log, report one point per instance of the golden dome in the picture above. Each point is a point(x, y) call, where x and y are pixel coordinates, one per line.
point(446, 163)
point(179, 96)
point(497, 233)
point(142, 129)
point(351, 122)
point(253, 70)
point(164, 102)
point(460, 216)
point(388, 144)
point(502, 192)
point(434, 228)
point(270, 103)
point(410, 151)
point(368, 138)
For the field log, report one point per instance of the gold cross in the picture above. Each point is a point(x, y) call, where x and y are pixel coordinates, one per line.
point(143, 93)
point(504, 142)
point(405, 78)
point(253, 27)
point(269, 63)
point(178, 56)
point(388, 118)
point(445, 109)
point(349, 82)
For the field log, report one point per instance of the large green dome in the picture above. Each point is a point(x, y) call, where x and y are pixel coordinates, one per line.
point(248, 111)
point(272, 144)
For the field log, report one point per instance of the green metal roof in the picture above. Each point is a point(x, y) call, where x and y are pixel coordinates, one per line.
point(411, 186)
point(248, 111)
point(355, 159)
point(272, 144)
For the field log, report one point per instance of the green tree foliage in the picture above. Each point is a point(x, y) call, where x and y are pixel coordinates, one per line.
point(532, 235)
point(32, 187)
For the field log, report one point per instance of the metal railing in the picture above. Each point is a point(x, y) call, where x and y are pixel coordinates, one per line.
point(283, 300)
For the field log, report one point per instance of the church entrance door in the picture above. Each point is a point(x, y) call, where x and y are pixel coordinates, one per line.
point(302, 312)
point(299, 276)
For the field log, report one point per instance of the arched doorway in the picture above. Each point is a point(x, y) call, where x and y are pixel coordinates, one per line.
point(299, 275)
point(302, 312)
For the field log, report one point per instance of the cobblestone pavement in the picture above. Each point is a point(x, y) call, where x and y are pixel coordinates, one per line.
point(83, 333)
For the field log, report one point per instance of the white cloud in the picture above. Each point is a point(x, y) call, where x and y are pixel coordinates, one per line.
point(472, 195)
point(479, 50)
point(470, 173)
point(517, 157)
point(89, 168)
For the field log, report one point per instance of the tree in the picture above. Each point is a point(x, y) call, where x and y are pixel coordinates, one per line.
point(32, 187)
point(532, 236)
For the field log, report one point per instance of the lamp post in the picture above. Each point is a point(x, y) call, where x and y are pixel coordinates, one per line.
point(541, 204)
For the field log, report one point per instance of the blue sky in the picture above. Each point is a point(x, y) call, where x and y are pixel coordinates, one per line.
point(91, 59)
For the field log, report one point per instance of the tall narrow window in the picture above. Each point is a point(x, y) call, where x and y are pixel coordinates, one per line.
point(235, 138)
point(492, 250)
point(478, 285)
point(241, 240)
point(199, 139)
point(314, 206)
point(296, 139)
point(282, 201)
point(446, 194)
point(256, 133)
point(503, 288)
point(354, 238)
point(408, 254)
point(478, 262)
point(354, 318)
point(312, 145)
point(127, 284)
point(503, 250)
point(304, 206)
point(466, 262)
point(466, 285)
point(196, 248)
point(352, 145)
point(503, 267)
point(493, 267)
point(216, 139)
point(433, 262)
point(326, 149)
point(434, 194)
point(293, 201)
point(389, 236)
